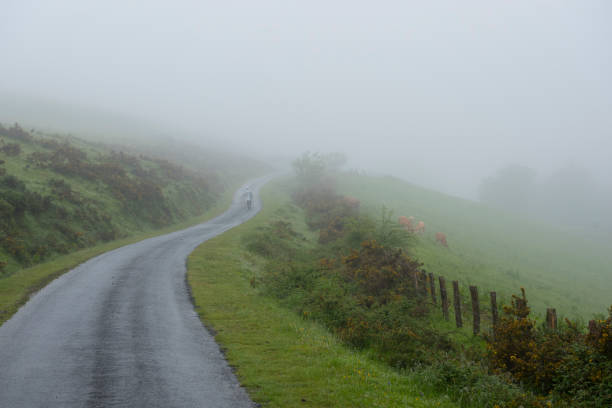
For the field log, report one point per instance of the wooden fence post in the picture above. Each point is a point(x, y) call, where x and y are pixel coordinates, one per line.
point(551, 319)
point(424, 283)
point(475, 309)
point(457, 300)
point(593, 329)
point(432, 288)
point(494, 317)
point(443, 297)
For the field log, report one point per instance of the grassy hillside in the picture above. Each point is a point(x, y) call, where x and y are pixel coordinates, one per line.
point(59, 194)
point(320, 264)
point(297, 335)
point(496, 250)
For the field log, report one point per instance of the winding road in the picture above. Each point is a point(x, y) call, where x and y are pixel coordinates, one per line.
point(120, 331)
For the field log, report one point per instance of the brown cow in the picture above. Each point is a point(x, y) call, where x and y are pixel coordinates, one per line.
point(351, 202)
point(441, 238)
point(420, 228)
point(405, 222)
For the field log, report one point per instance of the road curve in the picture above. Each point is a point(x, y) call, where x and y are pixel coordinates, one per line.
point(120, 331)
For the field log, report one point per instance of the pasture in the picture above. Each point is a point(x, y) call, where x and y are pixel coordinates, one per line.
point(496, 250)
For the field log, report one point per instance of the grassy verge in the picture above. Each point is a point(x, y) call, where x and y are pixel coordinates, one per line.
point(281, 358)
point(16, 289)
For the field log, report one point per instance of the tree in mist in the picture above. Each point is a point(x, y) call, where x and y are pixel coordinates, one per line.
point(314, 166)
point(571, 195)
point(512, 188)
point(310, 168)
point(334, 161)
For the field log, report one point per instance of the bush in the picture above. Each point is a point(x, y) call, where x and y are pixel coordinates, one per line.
point(16, 132)
point(380, 272)
point(275, 240)
point(566, 362)
point(11, 149)
point(469, 383)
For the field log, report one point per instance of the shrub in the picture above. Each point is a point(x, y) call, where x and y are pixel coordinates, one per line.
point(566, 362)
point(380, 272)
point(12, 183)
point(11, 149)
point(16, 132)
point(275, 240)
point(469, 383)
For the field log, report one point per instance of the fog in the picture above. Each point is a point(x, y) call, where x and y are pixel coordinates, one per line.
point(442, 94)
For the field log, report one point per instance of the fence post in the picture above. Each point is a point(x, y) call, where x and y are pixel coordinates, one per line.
point(443, 297)
point(551, 319)
point(593, 329)
point(432, 287)
point(494, 316)
point(475, 309)
point(424, 283)
point(457, 300)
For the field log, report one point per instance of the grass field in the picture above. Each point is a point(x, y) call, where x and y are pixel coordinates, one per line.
point(496, 250)
point(282, 359)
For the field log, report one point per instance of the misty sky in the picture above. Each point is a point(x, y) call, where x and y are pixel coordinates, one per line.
point(439, 93)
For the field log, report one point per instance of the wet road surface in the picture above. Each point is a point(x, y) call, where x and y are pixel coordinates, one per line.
point(120, 331)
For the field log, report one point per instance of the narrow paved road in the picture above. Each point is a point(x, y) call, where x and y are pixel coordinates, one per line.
point(120, 331)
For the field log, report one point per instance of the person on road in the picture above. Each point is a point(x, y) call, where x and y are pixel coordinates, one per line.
point(249, 198)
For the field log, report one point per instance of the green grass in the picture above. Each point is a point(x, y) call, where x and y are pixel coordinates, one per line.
point(282, 359)
point(496, 250)
point(16, 289)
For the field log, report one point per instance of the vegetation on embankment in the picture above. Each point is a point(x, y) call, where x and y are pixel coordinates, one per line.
point(281, 358)
point(16, 289)
point(354, 274)
point(62, 194)
point(496, 250)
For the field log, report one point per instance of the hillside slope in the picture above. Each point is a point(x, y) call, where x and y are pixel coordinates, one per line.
point(59, 194)
point(496, 250)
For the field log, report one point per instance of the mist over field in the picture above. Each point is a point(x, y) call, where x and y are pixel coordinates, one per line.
point(442, 94)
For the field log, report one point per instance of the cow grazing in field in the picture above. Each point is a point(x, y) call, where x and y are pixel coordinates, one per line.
point(420, 228)
point(351, 202)
point(405, 222)
point(441, 238)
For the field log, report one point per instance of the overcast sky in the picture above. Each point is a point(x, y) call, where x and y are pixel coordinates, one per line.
point(439, 93)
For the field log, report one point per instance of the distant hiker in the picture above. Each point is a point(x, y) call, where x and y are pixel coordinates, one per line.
point(249, 199)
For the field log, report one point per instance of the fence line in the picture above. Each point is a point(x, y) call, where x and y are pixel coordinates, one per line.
point(428, 286)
